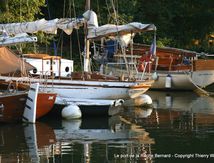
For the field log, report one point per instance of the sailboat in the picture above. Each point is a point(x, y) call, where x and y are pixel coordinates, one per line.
point(89, 86)
point(14, 95)
point(25, 105)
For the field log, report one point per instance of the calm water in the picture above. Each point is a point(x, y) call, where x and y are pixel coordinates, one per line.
point(179, 128)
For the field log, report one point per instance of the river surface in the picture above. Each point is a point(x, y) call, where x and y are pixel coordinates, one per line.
point(178, 128)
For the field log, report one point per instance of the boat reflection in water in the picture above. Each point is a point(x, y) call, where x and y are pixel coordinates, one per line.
point(110, 139)
point(184, 107)
point(179, 122)
point(25, 142)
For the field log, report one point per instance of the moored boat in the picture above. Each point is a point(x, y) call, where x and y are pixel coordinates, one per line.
point(171, 68)
point(88, 86)
point(12, 105)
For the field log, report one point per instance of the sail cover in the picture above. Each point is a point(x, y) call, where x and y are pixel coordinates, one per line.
point(47, 26)
point(10, 63)
point(95, 31)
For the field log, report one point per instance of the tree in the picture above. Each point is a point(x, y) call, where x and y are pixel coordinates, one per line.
point(20, 10)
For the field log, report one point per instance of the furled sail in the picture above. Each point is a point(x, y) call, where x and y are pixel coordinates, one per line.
point(47, 26)
point(19, 38)
point(95, 31)
point(10, 63)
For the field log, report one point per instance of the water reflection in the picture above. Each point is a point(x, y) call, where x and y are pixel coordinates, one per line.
point(118, 139)
point(178, 123)
point(173, 107)
point(182, 101)
point(25, 142)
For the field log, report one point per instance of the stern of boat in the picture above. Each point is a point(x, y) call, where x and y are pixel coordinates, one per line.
point(140, 88)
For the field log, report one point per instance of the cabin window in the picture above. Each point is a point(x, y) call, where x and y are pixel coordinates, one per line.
point(34, 70)
point(47, 62)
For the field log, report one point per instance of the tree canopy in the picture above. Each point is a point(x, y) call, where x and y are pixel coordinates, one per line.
point(182, 24)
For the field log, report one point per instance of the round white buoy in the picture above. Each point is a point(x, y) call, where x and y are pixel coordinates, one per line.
point(146, 98)
point(139, 101)
point(143, 113)
point(72, 124)
point(71, 112)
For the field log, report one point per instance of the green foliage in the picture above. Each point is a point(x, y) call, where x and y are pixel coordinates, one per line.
point(178, 22)
point(20, 10)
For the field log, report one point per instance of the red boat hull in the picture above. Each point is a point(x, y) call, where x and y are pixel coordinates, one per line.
point(45, 102)
point(12, 106)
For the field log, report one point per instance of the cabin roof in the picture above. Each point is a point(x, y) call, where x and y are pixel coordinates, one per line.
point(41, 56)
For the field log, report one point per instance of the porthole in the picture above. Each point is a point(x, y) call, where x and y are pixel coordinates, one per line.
point(34, 70)
point(67, 69)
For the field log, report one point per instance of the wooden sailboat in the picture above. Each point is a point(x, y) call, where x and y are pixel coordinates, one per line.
point(91, 86)
point(175, 69)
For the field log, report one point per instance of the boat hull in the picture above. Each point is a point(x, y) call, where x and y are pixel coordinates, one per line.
point(179, 81)
point(96, 92)
point(90, 89)
point(12, 106)
point(45, 102)
point(183, 80)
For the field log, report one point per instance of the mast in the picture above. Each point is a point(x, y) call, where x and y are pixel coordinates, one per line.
point(87, 43)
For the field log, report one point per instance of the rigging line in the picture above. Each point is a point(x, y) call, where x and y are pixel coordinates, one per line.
point(98, 10)
point(115, 17)
point(74, 8)
point(20, 13)
point(108, 8)
point(49, 15)
point(78, 39)
point(54, 43)
point(63, 14)
point(28, 8)
point(62, 42)
point(117, 7)
point(115, 13)
point(70, 38)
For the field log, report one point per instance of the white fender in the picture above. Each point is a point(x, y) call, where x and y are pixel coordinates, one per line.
point(168, 101)
point(139, 101)
point(71, 112)
point(147, 99)
point(168, 81)
point(143, 113)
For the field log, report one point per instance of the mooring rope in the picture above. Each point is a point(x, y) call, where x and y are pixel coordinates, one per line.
point(199, 90)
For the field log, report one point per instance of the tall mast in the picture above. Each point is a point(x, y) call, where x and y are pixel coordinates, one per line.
point(87, 43)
